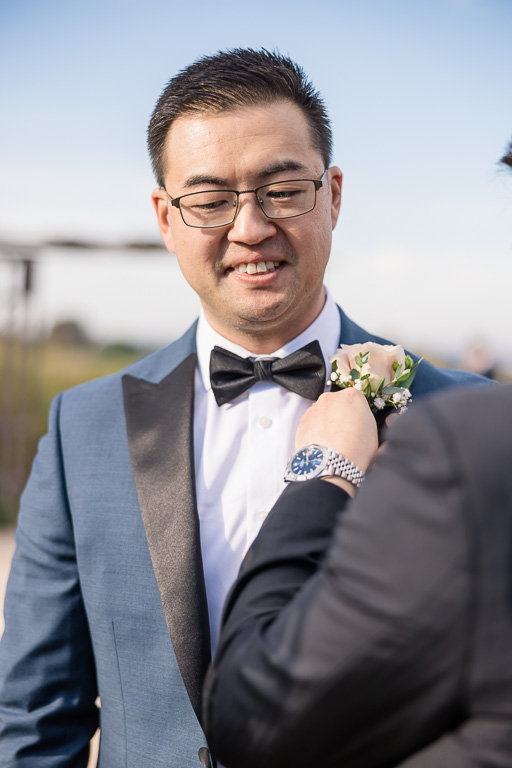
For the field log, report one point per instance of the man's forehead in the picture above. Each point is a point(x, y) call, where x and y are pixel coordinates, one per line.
point(234, 113)
point(281, 117)
point(270, 137)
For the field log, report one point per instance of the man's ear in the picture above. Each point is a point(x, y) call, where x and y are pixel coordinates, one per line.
point(160, 203)
point(335, 177)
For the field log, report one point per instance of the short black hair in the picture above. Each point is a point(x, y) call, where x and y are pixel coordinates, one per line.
point(231, 79)
point(507, 157)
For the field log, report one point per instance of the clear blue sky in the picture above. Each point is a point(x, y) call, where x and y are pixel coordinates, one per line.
point(418, 92)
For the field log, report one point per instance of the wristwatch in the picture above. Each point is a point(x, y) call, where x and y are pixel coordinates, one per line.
point(319, 461)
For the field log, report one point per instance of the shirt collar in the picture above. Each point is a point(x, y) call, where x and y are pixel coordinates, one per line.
point(326, 329)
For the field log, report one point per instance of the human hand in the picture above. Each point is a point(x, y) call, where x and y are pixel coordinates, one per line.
point(343, 421)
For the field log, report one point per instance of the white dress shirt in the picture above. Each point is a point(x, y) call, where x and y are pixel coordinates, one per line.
point(241, 450)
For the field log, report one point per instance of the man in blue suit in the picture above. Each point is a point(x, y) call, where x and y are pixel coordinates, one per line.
point(151, 484)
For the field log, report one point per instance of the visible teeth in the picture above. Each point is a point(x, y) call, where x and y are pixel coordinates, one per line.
point(260, 268)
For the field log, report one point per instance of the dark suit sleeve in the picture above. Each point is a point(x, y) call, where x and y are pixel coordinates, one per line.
point(47, 674)
point(482, 741)
point(364, 664)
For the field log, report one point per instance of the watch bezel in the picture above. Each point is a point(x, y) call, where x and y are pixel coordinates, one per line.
point(310, 474)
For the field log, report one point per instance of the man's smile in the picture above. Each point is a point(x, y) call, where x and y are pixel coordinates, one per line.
point(256, 267)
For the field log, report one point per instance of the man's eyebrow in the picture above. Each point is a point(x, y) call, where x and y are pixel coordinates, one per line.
point(284, 165)
point(204, 178)
point(200, 179)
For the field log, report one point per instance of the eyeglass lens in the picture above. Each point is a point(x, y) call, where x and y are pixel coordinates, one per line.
point(278, 201)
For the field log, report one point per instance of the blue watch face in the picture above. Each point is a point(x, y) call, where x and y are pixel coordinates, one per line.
point(307, 460)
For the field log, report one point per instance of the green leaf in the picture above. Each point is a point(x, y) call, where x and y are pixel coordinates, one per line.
point(405, 375)
point(391, 390)
point(379, 388)
point(354, 374)
point(407, 383)
point(367, 390)
point(364, 358)
point(358, 361)
point(366, 376)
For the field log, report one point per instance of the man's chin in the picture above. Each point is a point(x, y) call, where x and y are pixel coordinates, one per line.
point(264, 315)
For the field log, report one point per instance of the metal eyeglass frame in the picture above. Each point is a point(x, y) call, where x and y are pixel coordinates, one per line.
point(175, 201)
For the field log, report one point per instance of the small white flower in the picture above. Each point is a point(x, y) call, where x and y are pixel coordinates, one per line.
point(334, 376)
point(397, 397)
point(379, 403)
point(358, 385)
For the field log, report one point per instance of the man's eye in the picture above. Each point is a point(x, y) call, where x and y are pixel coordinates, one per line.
point(207, 206)
point(282, 194)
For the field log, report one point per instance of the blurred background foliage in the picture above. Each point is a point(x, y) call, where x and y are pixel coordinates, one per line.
point(31, 374)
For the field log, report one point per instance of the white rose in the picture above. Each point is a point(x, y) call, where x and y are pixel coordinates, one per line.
point(380, 362)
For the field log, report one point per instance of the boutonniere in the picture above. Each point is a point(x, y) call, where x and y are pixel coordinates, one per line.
point(382, 372)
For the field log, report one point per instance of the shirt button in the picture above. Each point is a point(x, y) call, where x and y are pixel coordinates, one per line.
point(261, 516)
point(265, 422)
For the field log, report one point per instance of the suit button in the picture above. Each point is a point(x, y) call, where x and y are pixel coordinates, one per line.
point(204, 757)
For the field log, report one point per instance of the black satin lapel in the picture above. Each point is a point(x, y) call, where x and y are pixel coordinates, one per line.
point(159, 419)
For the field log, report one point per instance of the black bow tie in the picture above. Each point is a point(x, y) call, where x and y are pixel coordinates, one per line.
point(302, 372)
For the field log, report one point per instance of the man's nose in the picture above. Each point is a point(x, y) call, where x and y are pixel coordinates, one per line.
point(250, 226)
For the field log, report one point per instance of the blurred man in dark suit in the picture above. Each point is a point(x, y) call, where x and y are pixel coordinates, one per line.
point(395, 648)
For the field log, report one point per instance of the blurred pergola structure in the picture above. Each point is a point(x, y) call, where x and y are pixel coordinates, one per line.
point(18, 385)
point(22, 348)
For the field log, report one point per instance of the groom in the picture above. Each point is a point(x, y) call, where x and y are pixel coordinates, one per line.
point(151, 484)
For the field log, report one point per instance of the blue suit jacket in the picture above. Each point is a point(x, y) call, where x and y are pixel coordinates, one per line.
point(106, 595)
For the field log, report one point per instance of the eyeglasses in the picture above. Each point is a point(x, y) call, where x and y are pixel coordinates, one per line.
point(219, 207)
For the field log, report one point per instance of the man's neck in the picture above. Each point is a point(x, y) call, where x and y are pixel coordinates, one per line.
point(261, 339)
point(259, 344)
